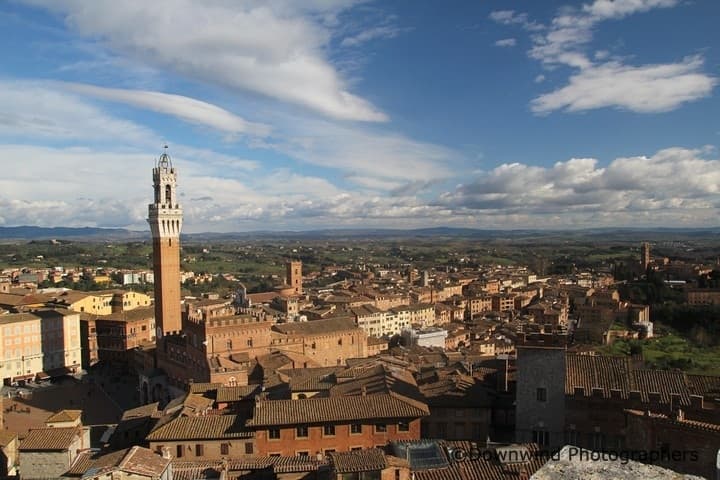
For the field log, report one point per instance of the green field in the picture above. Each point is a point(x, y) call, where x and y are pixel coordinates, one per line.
point(671, 351)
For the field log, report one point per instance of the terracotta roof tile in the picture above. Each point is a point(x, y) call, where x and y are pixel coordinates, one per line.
point(311, 384)
point(199, 428)
point(151, 409)
point(249, 463)
point(358, 461)
point(483, 468)
point(145, 462)
point(664, 382)
point(316, 327)
point(296, 464)
point(92, 459)
point(703, 385)
point(50, 438)
point(134, 315)
point(235, 394)
point(338, 409)
point(608, 373)
point(695, 424)
point(596, 371)
point(64, 416)
point(204, 387)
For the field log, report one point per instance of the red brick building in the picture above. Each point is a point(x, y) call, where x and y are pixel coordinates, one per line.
point(117, 334)
point(334, 424)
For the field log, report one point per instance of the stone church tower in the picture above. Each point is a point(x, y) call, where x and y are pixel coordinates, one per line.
point(165, 219)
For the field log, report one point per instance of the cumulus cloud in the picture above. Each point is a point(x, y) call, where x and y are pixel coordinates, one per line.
point(579, 191)
point(607, 9)
point(506, 42)
point(186, 108)
point(511, 17)
point(599, 82)
point(645, 89)
point(572, 28)
point(100, 188)
point(276, 49)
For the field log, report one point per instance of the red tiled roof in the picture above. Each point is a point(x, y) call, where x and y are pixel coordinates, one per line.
point(664, 382)
point(92, 459)
point(596, 371)
point(358, 461)
point(617, 373)
point(144, 462)
point(235, 394)
point(201, 428)
point(335, 409)
point(316, 327)
point(695, 424)
point(64, 416)
point(482, 468)
point(50, 438)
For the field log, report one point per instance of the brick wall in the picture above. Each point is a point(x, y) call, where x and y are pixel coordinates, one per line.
point(192, 450)
point(342, 441)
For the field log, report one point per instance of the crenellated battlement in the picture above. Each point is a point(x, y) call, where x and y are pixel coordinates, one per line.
point(644, 400)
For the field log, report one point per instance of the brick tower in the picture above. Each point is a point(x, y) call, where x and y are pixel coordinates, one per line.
point(293, 270)
point(645, 255)
point(165, 219)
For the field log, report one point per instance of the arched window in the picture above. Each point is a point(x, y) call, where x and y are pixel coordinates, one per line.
point(229, 344)
point(168, 194)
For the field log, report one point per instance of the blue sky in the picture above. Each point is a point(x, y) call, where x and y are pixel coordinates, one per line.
point(286, 114)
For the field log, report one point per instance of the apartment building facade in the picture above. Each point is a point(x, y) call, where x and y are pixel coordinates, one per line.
point(39, 345)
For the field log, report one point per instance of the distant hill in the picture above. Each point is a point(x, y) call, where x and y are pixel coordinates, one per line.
point(69, 233)
point(119, 234)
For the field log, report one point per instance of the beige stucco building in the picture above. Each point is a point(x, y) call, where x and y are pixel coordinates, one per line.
point(102, 302)
point(39, 344)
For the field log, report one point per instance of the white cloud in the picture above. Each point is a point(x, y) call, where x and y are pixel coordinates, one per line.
point(613, 9)
point(277, 49)
point(374, 183)
point(506, 42)
point(99, 187)
point(383, 31)
point(33, 110)
point(73, 186)
point(511, 17)
point(363, 153)
point(645, 89)
point(95, 187)
point(186, 108)
point(658, 190)
point(540, 78)
point(571, 29)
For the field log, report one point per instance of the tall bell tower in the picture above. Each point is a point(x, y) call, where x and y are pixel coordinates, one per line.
point(165, 219)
